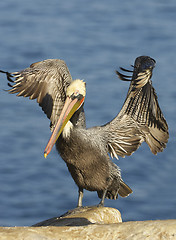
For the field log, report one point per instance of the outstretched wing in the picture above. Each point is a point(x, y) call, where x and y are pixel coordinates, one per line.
point(140, 118)
point(45, 81)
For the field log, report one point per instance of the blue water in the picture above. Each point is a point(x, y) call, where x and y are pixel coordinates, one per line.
point(94, 38)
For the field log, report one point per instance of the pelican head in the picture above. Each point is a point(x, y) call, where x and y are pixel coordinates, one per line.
point(77, 87)
point(75, 93)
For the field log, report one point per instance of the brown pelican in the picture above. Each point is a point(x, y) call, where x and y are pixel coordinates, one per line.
point(85, 151)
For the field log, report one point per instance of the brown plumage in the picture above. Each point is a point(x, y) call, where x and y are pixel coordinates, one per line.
point(85, 151)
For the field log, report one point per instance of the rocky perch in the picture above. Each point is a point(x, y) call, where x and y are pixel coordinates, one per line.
point(92, 223)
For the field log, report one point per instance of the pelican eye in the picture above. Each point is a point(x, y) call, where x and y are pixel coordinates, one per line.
point(76, 95)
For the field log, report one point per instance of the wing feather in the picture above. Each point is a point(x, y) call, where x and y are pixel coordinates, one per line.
point(140, 118)
point(45, 81)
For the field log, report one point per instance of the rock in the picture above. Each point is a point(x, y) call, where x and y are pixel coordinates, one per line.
point(92, 223)
point(84, 216)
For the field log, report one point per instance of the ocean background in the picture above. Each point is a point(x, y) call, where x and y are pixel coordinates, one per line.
point(94, 38)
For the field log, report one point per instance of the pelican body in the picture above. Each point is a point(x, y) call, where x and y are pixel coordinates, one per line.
point(86, 150)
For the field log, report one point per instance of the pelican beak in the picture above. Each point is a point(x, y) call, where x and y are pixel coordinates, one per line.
point(72, 104)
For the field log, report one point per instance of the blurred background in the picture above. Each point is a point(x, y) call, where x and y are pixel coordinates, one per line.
point(94, 38)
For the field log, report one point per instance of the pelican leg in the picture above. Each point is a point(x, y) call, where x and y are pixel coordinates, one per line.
point(80, 191)
point(101, 204)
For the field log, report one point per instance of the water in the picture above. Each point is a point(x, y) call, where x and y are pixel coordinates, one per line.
point(94, 38)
